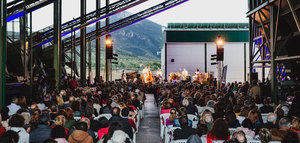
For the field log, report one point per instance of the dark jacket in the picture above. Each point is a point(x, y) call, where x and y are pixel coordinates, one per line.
point(40, 134)
point(191, 109)
point(183, 133)
point(124, 123)
point(266, 109)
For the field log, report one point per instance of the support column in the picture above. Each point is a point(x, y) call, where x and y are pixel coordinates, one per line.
point(205, 57)
point(107, 61)
point(98, 40)
point(273, 55)
point(83, 44)
point(23, 34)
point(251, 30)
point(263, 64)
point(245, 62)
point(2, 50)
point(90, 60)
point(31, 57)
point(57, 41)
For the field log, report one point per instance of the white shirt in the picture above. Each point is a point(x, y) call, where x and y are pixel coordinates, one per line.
point(41, 106)
point(13, 108)
point(241, 119)
point(23, 135)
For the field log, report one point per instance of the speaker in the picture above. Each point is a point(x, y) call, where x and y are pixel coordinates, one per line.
point(172, 60)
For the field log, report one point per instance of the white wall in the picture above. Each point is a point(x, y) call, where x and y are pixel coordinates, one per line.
point(191, 56)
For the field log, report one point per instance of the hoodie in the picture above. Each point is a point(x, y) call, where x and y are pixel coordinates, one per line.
point(79, 136)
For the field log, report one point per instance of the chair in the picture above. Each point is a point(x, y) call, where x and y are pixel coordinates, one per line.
point(264, 117)
point(231, 130)
point(168, 132)
point(253, 141)
point(163, 118)
point(249, 137)
point(194, 120)
point(107, 116)
point(179, 141)
point(203, 138)
point(219, 141)
point(134, 136)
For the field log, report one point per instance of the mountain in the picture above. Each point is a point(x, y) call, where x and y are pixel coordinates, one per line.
point(141, 39)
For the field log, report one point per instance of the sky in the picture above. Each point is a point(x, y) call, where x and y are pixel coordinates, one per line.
point(192, 11)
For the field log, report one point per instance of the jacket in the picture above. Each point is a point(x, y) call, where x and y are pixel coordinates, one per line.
point(194, 139)
point(40, 134)
point(23, 135)
point(102, 132)
point(79, 136)
point(183, 133)
point(125, 125)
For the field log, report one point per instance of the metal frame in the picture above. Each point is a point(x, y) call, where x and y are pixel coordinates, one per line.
point(83, 43)
point(264, 37)
point(2, 50)
point(57, 55)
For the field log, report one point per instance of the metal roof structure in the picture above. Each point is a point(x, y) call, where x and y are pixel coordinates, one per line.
point(207, 32)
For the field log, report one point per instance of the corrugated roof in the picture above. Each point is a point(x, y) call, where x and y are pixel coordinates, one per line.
point(207, 32)
point(207, 26)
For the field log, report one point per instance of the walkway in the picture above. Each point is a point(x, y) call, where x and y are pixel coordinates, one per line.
point(149, 127)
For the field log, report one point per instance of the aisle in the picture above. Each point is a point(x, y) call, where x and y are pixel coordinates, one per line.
point(149, 127)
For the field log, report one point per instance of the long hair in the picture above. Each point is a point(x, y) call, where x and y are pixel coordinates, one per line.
point(220, 129)
point(172, 115)
point(113, 127)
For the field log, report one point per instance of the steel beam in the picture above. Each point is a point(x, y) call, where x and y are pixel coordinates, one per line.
point(98, 42)
point(107, 61)
point(83, 44)
point(90, 61)
point(23, 41)
point(261, 6)
point(294, 14)
point(2, 51)
point(273, 56)
point(57, 42)
point(31, 57)
point(287, 58)
point(251, 35)
point(261, 61)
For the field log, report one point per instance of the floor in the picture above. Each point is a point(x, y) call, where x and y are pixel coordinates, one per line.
point(149, 127)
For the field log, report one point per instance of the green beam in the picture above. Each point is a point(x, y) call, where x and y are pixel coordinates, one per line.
point(2, 50)
point(57, 41)
point(98, 41)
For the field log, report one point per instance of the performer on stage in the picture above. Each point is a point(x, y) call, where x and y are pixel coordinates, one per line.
point(124, 77)
point(184, 75)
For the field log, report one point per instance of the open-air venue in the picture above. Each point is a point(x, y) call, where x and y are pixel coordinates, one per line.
point(150, 71)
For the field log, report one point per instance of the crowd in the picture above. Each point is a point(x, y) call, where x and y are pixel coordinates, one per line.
point(105, 112)
point(235, 113)
point(108, 112)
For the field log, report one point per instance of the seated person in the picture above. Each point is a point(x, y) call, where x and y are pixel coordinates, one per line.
point(219, 131)
point(182, 112)
point(200, 131)
point(166, 107)
point(173, 115)
point(184, 131)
